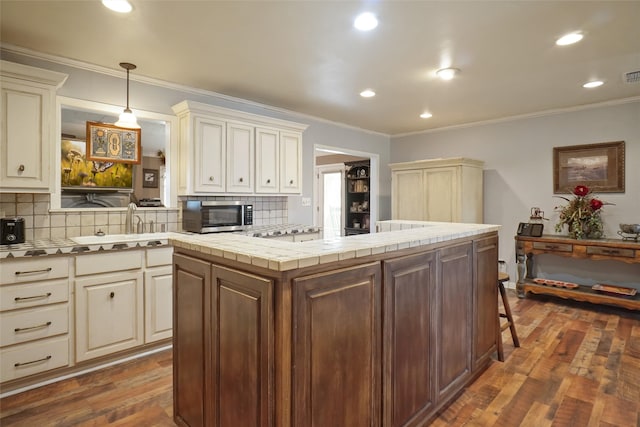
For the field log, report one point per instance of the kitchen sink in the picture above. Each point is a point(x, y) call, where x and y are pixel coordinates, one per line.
point(118, 238)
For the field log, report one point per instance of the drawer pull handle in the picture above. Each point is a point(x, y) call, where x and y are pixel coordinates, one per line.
point(44, 270)
point(47, 295)
point(112, 294)
point(44, 325)
point(44, 359)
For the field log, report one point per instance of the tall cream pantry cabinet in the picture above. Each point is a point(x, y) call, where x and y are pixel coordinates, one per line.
point(448, 190)
point(28, 127)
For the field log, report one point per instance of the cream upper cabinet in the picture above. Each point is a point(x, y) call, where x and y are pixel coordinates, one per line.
point(267, 160)
point(258, 154)
point(290, 162)
point(210, 149)
point(27, 121)
point(240, 157)
point(448, 190)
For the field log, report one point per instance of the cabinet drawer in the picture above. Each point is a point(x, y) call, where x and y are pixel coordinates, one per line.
point(33, 269)
point(33, 294)
point(603, 250)
point(557, 247)
point(159, 256)
point(108, 262)
point(32, 358)
point(32, 324)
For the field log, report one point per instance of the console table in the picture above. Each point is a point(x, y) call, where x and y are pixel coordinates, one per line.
point(602, 249)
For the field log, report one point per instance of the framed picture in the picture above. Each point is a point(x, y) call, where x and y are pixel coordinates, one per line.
point(111, 143)
point(598, 166)
point(150, 178)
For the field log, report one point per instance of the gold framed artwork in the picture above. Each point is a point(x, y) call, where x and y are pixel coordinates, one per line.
point(107, 142)
point(598, 166)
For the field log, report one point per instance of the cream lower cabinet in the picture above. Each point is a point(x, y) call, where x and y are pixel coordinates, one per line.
point(158, 294)
point(109, 303)
point(35, 316)
point(448, 190)
point(27, 123)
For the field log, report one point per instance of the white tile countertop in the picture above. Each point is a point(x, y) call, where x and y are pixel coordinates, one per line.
point(92, 243)
point(282, 256)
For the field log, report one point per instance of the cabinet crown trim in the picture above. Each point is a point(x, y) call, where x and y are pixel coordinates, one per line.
point(453, 161)
point(192, 107)
point(32, 74)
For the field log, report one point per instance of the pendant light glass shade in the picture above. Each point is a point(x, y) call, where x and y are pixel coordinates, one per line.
point(127, 118)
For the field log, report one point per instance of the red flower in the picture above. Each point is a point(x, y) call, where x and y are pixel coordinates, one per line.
point(581, 190)
point(595, 204)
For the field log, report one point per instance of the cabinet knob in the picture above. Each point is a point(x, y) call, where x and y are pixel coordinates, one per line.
point(268, 181)
point(290, 181)
point(210, 178)
point(112, 294)
point(240, 179)
point(21, 168)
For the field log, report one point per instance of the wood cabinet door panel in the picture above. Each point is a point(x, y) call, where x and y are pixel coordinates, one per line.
point(441, 194)
point(240, 158)
point(408, 201)
point(336, 348)
point(290, 162)
point(485, 254)
point(210, 155)
point(242, 350)
point(267, 160)
point(191, 291)
point(158, 319)
point(455, 314)
point(409, 337)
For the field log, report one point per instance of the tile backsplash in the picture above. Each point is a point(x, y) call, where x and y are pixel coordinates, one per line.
point(42, 223)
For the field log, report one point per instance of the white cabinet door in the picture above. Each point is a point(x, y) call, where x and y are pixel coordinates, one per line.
point(109, 313)
point(290, 162)
point(407, 189)
point(267, 160)
point(210, 155)
point(25, 153)
point(441, 194)
point(240, 156)
point(158, 309)
point(27, 123)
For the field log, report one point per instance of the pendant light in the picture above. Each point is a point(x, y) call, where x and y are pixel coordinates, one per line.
point(127, 119)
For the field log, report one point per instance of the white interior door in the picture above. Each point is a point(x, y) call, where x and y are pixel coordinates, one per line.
point(330, 199)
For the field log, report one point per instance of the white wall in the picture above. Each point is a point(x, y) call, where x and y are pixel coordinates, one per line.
point(518, 156)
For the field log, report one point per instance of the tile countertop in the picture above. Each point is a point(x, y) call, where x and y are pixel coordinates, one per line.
point(282, 256)
point(82, 244)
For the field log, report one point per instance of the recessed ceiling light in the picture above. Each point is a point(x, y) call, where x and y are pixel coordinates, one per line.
point(365, 21)
point(447, 73)
point(367, 93)
point(591, 85)
point(568, 39)
point(121, 6)
point(426, 115)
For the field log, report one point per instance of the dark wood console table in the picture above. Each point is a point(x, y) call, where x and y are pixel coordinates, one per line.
point(601, 249)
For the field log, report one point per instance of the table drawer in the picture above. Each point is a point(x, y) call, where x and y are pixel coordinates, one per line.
point(27, 295)
point(32, 358)
point(557, 247)
point(603, 250)
point(33, 269)
point(108, 262)
point(32, 324)
point(160, 256)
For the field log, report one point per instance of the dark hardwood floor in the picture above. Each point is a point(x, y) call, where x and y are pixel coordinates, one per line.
point(578, 365)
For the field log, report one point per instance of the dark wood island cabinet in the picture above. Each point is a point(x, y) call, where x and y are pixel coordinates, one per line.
point(386, 337)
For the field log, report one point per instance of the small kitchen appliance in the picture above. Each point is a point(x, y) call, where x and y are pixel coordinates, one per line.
point(211, 216)
point(11, 231)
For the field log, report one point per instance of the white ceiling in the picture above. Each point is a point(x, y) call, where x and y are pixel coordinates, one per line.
point(305, 56)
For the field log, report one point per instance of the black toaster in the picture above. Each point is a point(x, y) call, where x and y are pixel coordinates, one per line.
point(11, 231)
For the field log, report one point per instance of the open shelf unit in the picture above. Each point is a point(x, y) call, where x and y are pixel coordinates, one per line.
point(356, 206)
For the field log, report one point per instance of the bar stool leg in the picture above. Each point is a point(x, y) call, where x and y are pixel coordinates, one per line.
point(507, 309)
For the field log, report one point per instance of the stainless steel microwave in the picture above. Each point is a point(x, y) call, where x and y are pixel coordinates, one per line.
point(201, 216)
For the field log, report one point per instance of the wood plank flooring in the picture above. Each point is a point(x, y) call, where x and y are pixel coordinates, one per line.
point(578, 365)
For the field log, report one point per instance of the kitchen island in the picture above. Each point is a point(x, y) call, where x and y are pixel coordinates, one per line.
point(370, 330)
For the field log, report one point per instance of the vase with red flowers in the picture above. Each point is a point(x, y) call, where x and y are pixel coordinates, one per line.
point(583, 215)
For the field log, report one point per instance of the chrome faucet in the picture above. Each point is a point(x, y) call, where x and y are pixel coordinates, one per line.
point(128, 223)
point(140, 225)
